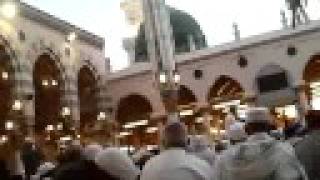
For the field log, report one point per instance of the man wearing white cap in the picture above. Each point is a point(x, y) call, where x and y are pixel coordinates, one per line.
point(260, 157)
point(174, 163)
point(117, 164)
point(237, 133)
point(200, 147)
point(229, 121)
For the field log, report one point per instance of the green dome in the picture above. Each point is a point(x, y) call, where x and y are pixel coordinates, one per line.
point(183, 26)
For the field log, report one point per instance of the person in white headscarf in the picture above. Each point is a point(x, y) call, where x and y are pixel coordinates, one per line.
point(174, 163)
point(117, 163)
point(229, 120)
point(90, 152)
point(237, 133)
point(260, 157)
point(200, 148)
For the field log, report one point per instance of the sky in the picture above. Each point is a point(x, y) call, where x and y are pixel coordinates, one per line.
point(105, 18)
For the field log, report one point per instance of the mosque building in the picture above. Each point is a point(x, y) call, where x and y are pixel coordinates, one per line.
point(55, 79)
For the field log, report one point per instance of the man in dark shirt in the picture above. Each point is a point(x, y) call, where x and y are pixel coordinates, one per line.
point(308, 150)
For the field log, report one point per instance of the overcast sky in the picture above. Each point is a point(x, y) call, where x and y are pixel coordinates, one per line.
point(105, 18)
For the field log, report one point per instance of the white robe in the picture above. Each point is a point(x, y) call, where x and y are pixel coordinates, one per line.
point(261, 157)
point(176, 164)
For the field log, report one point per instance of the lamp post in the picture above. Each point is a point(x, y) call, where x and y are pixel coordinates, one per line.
point(161, 53)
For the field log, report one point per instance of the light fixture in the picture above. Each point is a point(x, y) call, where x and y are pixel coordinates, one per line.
point(101, 116)
point(28, 139)
point(118, 136)
point(218, 106)
point(66, 111)
point(45, 82)
point(151, 147)
point(163, 78)
point(125, 133)
point(221, 121)
point(177, 78)
point(291, 111)
point(4, 139)
point(214, 131)
point(17, 105)
point(151, 130)
point(60, 127)
point(129, 126)
point(8, 9)
point(187, 112)
point(66, 138)
point(314, 85)
point(49, 128)
point(199, 120)
point(226, 110)
point(78, 136)
point(72, 36)
point(142, 122)
point(54, 82)
point(242, 114)
point(5, 75)
point(9, 125)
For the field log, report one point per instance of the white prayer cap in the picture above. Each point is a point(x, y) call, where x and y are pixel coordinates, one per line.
point(199, 143)
point(91, 151)
point(258, 115)
point(237, 131)
point(117, 163)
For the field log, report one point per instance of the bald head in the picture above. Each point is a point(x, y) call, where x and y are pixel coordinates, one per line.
point(175, 135)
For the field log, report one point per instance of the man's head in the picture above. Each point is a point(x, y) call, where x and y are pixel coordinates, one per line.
point(175, 135)
point(91, 151)
point(258, 120)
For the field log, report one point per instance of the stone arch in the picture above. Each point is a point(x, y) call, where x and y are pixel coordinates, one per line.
point(88, 64)
point(87, 94)
point(48, 84)
point(224, 86)
point(311, 70)
point(272, 71)
point(8, 81)
point(135, 104)
point(134, 108)
point(311, 75)
point(185, 96)
point(54, 56)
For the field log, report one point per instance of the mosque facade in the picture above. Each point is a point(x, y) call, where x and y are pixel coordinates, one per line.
point(52, 72)
point(55, 75)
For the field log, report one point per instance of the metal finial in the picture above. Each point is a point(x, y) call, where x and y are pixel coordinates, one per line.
point(236, 31)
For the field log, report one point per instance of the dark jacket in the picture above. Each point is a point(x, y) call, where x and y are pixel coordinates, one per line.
point(31, 159)
point(4, 172)
point(308, 152)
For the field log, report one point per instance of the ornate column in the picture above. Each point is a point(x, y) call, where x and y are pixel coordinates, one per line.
point(207, 118)
point(303, 104)
point(24, 94)
point(70, 102)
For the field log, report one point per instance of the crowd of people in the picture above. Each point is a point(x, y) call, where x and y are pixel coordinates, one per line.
point(255, 155)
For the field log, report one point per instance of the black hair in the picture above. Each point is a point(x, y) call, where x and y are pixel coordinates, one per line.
point(257, 127)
